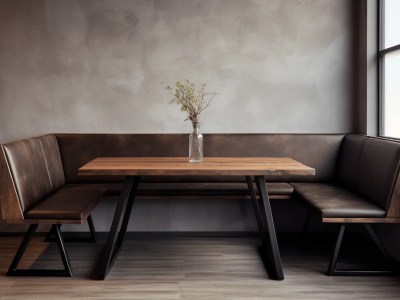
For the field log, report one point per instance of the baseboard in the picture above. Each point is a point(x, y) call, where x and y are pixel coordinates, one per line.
point(150, 234)
point(191, 233)
point(103, 234)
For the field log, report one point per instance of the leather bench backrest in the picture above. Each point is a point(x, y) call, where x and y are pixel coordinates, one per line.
point(28, 169)
point(349, 158)
point(378, 169)
point(317, 151)
point(369, 166)
point(53, 161)
point(35, 167)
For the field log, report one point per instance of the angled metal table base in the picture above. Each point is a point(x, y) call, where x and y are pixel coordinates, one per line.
point(266, 227)
point(119, 225)
point(122, 214)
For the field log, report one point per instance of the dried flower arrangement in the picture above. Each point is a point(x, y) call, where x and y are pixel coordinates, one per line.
point(191, 99)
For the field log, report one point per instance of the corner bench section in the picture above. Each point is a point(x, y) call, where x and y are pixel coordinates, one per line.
point(33, 191)
point(366, 191)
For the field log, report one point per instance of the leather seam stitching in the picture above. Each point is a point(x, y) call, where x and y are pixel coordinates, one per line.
point(45, 162)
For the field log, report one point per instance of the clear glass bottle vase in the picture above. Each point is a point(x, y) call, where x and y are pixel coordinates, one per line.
point(196, 145)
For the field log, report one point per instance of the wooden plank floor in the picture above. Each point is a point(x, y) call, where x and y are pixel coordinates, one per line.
point(189, 268)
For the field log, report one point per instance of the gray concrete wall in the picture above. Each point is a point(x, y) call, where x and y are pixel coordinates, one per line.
point(100, 66)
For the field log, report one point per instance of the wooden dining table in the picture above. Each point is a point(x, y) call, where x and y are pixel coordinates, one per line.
point(253, 169)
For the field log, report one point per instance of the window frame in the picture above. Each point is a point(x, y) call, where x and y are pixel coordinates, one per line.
point(381, 68)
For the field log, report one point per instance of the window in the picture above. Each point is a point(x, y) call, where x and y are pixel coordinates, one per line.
point(389, 62)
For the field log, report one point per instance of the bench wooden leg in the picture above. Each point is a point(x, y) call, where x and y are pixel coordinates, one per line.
point(50, 237)
point(332, 271)
point(67, 272)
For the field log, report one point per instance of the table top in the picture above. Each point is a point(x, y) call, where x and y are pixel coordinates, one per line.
point(250, 166)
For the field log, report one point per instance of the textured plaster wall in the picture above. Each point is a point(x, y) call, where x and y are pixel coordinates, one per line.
point(99, 66)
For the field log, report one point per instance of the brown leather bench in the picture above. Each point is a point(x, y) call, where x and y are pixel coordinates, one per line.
point(342, 190)
point(355, 178)
point(366, 191)
point(33, 191)
point(78, 149)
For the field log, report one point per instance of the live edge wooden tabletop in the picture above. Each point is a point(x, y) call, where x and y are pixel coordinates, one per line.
point(250, 166)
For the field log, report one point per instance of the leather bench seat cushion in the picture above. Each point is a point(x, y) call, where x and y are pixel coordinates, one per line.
point(68, 203)
point(193, 188)
point(335, 202)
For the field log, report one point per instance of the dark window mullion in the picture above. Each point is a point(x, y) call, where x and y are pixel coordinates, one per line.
point(381, 40)
point(390, 49)
point(381, 25)
point(381, 96)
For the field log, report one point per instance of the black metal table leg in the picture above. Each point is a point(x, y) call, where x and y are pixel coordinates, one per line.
point(119, 225)
point(128, 212)
point(92, 229)
point(267, 219)
point(261, 226)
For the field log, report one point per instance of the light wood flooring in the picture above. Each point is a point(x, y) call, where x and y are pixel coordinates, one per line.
point(190, 268)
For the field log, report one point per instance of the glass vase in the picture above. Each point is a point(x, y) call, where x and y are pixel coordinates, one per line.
point(196, 145)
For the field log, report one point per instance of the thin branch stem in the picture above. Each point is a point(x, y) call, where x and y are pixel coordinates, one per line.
point(190, 100)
